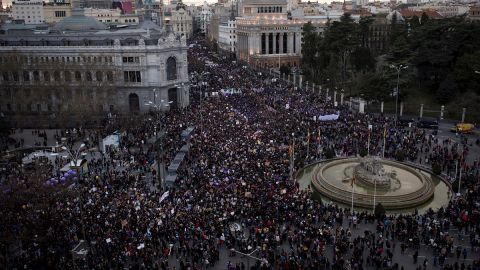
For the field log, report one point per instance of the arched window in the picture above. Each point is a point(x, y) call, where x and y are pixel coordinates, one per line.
point(36, 76)
point(171, 68)
point(26, 76)
point(99, 76)
point(68, 76)
point(56, 76)
point(46, 76)
point(78, 76)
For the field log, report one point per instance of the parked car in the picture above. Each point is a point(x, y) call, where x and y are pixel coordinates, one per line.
point(405, 121)
point(428, 123)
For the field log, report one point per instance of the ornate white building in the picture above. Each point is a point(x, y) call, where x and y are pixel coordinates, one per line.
point(227, 36)
point(267, 37)
point(205, 16)
point(86, 68)
point(179, 21)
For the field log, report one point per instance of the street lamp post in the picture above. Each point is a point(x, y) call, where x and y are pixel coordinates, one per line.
point(73, 156)
point(397, 90)
point(154, 96)
point(159, 142)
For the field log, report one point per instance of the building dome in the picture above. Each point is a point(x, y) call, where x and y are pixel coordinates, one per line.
point(78, 22)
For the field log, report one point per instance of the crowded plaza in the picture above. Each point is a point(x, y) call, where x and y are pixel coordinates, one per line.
point(234, 203)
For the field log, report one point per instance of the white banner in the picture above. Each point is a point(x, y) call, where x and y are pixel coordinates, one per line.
point(164, 195)
point(328, 117)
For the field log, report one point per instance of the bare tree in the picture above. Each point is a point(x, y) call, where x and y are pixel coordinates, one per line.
point(37, 91)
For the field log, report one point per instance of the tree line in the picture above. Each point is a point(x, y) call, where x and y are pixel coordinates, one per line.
point(442, 57)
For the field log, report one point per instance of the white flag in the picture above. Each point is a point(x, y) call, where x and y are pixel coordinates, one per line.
point(164, 195)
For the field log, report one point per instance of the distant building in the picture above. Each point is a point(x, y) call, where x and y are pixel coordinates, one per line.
point(205, 16)
point(30, 11)
point(474, 13)
point(125, 6)
point(112, 16)
point(105, 4)
point(379, 32)
point(55, 12)
point(80, 70)
point(227, 37)
point(181, 22)
point(448, 11)
point(267, 37)
point(432, 14)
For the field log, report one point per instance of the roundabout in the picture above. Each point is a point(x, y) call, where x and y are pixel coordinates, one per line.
point(399, 187)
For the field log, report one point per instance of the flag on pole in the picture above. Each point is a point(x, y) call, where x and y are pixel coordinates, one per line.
point(353, 180)
point(164, 196)
point(319, 136)
point(385, 132)
point(308, 137)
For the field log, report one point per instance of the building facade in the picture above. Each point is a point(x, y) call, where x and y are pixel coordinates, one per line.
point(112, 16)
point(30, 11)
point(55, 12)
point(474, 13)
point(181, 22)
point(51, 78)
point(227, 36)
point(205, 16)
point(267, 37)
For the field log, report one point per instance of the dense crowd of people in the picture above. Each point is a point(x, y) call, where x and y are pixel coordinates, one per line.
point(237, 172)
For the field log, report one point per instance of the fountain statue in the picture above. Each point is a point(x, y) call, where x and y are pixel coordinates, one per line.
point(370, 171)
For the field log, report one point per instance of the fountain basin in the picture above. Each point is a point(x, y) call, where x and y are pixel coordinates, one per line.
point(332, 179)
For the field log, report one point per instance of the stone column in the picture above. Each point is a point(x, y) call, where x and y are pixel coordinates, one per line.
point(294, 41)
point(280, 41)
point(262, 43)
point(274, 37)
point(298, 44)
point(258, 39)
point(267, 42)
point(290, 42)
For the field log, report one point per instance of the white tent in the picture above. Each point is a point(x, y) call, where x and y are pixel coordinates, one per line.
point(111, 140)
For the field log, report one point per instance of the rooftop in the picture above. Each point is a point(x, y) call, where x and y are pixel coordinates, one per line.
point(264, 2)
point(78, 22)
